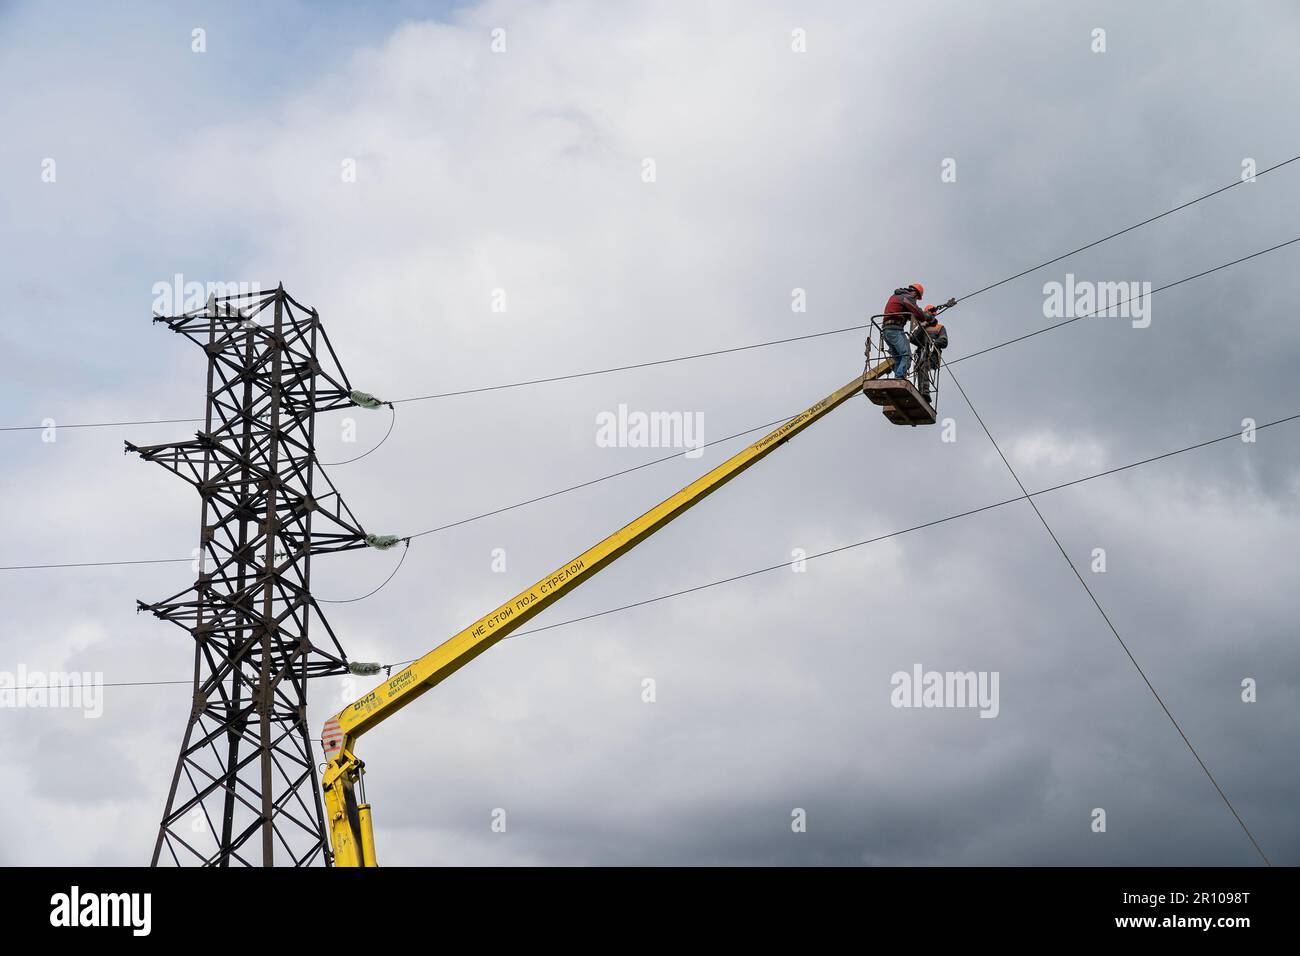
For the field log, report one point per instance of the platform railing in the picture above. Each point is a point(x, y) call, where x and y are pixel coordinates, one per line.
point(923, 369)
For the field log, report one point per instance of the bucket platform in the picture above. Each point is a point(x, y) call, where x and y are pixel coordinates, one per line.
point(901, 402)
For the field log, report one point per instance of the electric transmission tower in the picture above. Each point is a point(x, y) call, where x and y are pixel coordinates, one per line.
point(245, 788)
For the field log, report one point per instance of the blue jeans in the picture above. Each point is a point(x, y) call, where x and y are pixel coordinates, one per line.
point(899, 349)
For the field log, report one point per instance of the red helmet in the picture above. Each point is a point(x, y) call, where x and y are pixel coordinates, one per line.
point(920, 290)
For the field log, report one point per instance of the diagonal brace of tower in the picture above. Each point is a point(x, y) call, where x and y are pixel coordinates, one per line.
point(244, 789)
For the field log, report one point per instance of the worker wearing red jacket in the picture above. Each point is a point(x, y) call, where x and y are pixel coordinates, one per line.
point(902, 306)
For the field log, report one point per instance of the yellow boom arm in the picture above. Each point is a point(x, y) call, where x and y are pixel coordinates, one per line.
point(349, 818)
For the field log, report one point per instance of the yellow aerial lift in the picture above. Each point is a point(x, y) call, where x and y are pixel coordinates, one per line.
point(351, 834)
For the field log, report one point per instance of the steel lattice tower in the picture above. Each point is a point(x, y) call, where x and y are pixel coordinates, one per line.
point(247, 767)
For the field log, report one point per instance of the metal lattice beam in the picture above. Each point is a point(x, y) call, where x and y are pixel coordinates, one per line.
point(244, 790)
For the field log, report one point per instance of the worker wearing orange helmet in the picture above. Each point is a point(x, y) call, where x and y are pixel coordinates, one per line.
point(931, 338)
point(903, 307)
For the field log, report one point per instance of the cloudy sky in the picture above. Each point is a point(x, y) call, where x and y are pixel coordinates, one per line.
point(775, 170)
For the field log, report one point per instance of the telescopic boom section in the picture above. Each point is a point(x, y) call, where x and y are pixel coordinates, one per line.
point(350, 830)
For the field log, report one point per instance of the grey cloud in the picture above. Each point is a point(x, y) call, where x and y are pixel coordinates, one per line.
point(776, 171)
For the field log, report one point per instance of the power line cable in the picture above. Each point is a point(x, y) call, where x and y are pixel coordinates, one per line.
point(594, 481)
point(741, 348)
point(453, 524)
point(864, 542)
point(624, 368)
point(504, 385)
point(406, 549)
point(553, 494)
point(1106, 617)
point(895, 534)
point(1116, 305)
point(392, 420)
point(1012, 341)
point(1136, 225)
point(91, 564)
point(152, 421)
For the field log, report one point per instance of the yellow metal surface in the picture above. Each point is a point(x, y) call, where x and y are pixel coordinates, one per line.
point(367, 836)
point(337, 788)
point(343, 769)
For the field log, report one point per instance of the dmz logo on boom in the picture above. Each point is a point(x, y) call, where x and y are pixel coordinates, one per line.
point(75, 909)
point(1077, 299)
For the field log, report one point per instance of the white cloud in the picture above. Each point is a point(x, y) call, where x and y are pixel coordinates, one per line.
point(1044, 450)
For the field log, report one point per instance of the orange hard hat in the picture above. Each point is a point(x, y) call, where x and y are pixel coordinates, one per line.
point(920, 290)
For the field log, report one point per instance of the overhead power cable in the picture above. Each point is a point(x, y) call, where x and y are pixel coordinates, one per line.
point(406, 549)
point(615, 474)
point(553, 494)
point(449, 525)
point(1106, 617)
point(741, 348)
point(947, 362)
point(91, 564)
point(504, 385)
point(894, 534)
point(392, 420)
point(1116, 305)
point(867, 541)
point(152, 421)
point(1136, 225)
point(624, 368)
point(453, 524)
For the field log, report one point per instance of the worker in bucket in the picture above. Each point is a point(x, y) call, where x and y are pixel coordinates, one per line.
point(933, 330)
point(903, 305)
